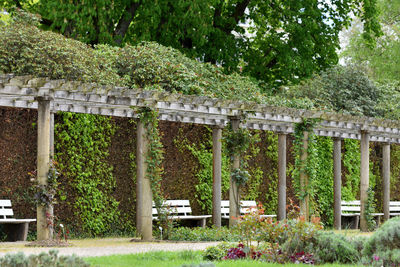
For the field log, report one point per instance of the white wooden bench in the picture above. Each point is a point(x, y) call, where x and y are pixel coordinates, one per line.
point(351, 214)
point(394, 208)
point(181, 210)
point(246, 206)
point(16, 229)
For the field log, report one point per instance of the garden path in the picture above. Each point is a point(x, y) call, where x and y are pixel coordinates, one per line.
point(104, 247)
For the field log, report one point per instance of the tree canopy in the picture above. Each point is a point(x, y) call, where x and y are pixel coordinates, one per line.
point(383, 60)
point(272, 40)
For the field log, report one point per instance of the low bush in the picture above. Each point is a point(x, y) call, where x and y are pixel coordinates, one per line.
point(203, 234)
point(50, 259)
point(383, 247)
point(218, 252)
point(331, 247)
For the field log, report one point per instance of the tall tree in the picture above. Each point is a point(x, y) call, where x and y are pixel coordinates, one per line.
point(383, 60)
point(273, 40)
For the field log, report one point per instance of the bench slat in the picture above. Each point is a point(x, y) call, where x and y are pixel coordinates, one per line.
point(6, 212)
point(5, 203)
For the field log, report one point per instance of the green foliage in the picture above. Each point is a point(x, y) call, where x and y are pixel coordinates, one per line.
point(238, 141)
point(203, 234)
point(285, 41)
point(383, 247)
point(298, 234)
point(81, 144)
point(203, 153)
point(383, 59)
point(271, 196)
point(370, 209)
point(45, 194)
point(323, 182)
point(308, 166)
point(216, 253)
point(240, 176)
point(342, 89)
point(155, 153)
point(50, 259)
point(330, 247)
point(351, 162)
point(24, 49)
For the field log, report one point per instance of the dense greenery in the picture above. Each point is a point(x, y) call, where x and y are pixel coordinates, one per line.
point(87, 183)
point(383, 248)
point(24, 49)
point(382, 60)
point(275, 41)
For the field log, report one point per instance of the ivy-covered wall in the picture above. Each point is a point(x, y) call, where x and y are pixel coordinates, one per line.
point(96, 157)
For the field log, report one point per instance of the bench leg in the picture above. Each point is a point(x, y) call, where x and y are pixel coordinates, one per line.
point(202, 222)
point(356, 222)
point(16, 231)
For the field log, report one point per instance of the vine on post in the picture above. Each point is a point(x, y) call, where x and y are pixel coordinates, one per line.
point(307, 166)
point(154, 160)
point(237, 143)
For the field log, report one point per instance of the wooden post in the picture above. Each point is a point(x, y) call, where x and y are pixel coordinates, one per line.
point(386, 180)
point(364, 183)
point(144, 197)
point(304, 201)
point(337, 183)
point(43, 164)
point(281, 176)
point(217, 173)
point(50, 210)
point(234, 198)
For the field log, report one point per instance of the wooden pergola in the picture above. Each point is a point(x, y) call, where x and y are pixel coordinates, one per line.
point(48, 96)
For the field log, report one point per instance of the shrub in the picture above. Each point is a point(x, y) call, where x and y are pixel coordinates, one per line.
point(26, 50)
point(383, 247)
point(331, 247)
point(216, 253)
point(50, 259)
point(298, 236)
point(203, 234)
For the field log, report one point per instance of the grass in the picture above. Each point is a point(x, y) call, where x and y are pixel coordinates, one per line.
point(174, 259)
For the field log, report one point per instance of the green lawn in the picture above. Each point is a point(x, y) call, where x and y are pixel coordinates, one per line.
point(173, 259)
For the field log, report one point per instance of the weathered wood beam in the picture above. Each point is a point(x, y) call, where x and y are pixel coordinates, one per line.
point(386, 179)
point(217, 175)
point(304, 195)
point(144, 196)
point(337, 183)
point(43, 164)
point(234, 194)
point(364, 180)
point(282, 176)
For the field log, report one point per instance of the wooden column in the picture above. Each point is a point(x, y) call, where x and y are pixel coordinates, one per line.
point(364, 183)
point(386, 179)
point(337, 183)
point(234, 198)
point(43, 163)
point(144, 222)
point(217, 166)
point(281, 176)
point(50, 210)
point(305, 198)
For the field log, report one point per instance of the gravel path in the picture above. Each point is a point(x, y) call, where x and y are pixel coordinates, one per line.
point(103, 247)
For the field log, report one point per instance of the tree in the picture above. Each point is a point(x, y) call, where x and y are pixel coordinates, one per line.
point(383, 60)
point(272, 40)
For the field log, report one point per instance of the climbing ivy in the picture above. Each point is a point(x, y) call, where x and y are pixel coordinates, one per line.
point(351, 162)
point(203, 154)
point(308, 166)
point(323, 182)
point(155, 153)
point(81, 144)
point(271, 196)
